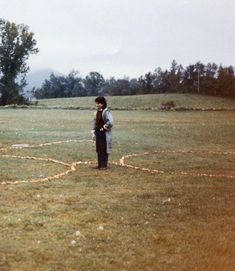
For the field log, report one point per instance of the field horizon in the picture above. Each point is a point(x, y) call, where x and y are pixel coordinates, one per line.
point(145, 102)
point(153, 102)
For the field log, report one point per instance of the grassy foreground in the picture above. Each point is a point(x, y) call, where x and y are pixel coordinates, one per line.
point(123, 218)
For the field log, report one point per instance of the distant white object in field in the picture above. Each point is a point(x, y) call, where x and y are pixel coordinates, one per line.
point(19, 146)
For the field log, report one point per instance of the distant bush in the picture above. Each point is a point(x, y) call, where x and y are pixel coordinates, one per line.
point(167, 105)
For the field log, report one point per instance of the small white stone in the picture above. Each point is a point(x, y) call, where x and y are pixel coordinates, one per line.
point(77, 233)
point(166, 200)
point(73, 242)
point(100, 228)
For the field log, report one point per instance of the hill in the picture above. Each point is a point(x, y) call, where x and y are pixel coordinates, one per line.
point(36, 78)
point(144, 102)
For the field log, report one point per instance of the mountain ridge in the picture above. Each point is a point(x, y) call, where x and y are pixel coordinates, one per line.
point(36, 78)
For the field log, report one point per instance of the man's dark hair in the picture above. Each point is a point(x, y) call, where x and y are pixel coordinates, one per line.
point(101, 100)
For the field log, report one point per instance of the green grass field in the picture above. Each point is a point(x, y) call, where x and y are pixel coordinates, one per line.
point(123, 218)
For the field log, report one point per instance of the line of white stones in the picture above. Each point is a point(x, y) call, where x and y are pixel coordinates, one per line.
point(72, 166)
point(152, 171)
point(22, 146)
point(49, 178)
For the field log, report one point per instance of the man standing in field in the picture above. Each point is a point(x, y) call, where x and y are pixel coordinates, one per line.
point(102, 132)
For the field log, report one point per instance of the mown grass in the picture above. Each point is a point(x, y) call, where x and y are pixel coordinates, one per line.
point(144, 102)
point(120, 219)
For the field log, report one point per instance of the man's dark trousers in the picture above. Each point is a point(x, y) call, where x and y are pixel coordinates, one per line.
point(101, 149)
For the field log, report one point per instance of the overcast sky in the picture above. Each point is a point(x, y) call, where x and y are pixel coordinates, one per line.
point(125, 37)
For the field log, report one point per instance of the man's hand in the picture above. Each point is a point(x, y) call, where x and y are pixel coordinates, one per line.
point(103, 129)
point(93, 135)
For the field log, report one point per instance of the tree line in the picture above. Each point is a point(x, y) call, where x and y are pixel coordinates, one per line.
point(17, 43)
point(209, 79)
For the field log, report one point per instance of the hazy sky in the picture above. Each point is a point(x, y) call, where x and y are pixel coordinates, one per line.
point(125, 37)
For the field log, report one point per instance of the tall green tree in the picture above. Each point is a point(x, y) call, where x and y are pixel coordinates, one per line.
point(174, 77)
point(94, 84)
point(190, 78)
point(226, 81)
point(207, 82)
point(75, 84)
point(55, 87)
point(120, 87)
point(146, 83)
point(160, 82)
point(16, 44)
